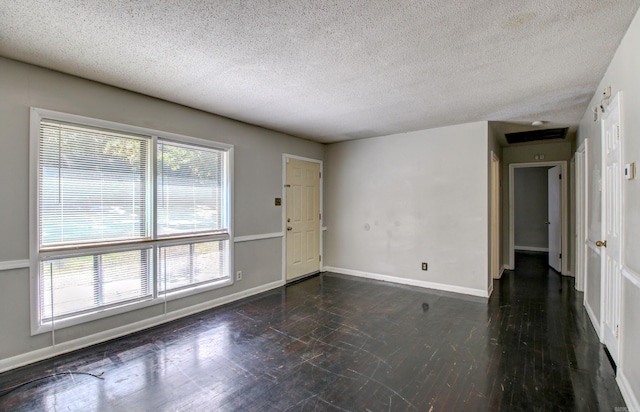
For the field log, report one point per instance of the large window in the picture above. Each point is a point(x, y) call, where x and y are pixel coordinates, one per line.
point(124, 217)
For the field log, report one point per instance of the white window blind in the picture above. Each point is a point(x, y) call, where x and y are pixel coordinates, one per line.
point(93, 185)
point(111, 233)
point(76, 285)
point(190, 186)
point(193, 263)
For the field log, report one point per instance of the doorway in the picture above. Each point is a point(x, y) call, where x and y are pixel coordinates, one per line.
point(543, 227)
point(302, 217)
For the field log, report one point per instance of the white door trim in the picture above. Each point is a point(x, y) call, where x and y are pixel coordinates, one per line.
point(494, 272)
point(564, 208)
point(580, 179)
point(554, 216)
point(285, 157)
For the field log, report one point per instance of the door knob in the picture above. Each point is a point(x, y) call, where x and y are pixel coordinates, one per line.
point(547, 223)
point(289, 228)
point(601, 243)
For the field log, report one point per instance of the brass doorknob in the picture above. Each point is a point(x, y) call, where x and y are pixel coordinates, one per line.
point(601, 243)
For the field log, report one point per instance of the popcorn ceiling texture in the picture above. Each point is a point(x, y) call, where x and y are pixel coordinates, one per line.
point(334, 70)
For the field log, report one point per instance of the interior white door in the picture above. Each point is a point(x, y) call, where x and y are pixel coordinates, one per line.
point(612, 226)
point(303, 217)
point(554, 217)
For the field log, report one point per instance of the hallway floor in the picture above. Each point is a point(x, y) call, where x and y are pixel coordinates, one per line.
point(338, 343)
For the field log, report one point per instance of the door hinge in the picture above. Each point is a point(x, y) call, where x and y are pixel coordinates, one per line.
point(560, 257)
point(320, 175)
point(320, 216)
point(320, 258)
point(617, 328)
point(560, 176)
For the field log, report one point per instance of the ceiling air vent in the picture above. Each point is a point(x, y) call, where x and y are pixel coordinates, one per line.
point(536, 135)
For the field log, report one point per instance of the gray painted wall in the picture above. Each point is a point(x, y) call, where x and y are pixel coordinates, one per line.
point(530, 195)
point(622, 76)
point(258, 180)
point(393, 202)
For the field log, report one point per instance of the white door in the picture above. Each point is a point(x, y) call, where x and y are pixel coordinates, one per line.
point(303, 217)
point(554, 220)
point(612, 225)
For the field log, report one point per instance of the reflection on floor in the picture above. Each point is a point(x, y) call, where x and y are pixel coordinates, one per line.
point(335, 342)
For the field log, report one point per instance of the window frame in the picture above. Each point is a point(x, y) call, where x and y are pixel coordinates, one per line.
point(153, 241)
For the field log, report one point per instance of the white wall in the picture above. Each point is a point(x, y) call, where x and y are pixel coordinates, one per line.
point(258, 180)
point(623, 75)
point(393, 202)
point(530, 195)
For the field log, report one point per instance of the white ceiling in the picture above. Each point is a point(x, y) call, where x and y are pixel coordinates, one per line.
point(334, 70)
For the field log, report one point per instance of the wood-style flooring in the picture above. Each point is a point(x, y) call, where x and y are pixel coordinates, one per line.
point(338, 343)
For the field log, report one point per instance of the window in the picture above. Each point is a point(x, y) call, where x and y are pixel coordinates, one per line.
point(125, 217)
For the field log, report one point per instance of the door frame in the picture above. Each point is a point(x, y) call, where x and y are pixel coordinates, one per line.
point(581, 205)
point(496, 265)
point(285, 157)
point(564, 209)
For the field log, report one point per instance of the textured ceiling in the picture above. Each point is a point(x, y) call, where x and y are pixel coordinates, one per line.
point(334, 70)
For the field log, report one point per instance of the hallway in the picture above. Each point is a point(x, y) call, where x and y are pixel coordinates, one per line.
point(334, 342)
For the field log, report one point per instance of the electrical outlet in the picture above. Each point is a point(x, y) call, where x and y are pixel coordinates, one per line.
point(239, 275)
point(424, 265)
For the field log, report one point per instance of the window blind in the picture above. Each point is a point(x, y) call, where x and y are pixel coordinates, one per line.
point(189, 189)
point(92, 185)
point(76, 285)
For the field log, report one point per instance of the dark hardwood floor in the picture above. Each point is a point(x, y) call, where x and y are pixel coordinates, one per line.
point(334, 342)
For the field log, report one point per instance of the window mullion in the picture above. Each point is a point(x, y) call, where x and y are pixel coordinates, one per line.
point(152, 206)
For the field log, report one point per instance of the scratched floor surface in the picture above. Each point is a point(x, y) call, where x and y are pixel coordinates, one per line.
point(335, 342)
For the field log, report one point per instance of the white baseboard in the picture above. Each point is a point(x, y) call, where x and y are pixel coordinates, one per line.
point(630, 398)
point(65, 347)
point(593, 318)
point(411, 282)
point(14, 264)
point(531, 248)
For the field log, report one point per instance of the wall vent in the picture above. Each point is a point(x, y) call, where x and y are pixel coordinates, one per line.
point(536, 135)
